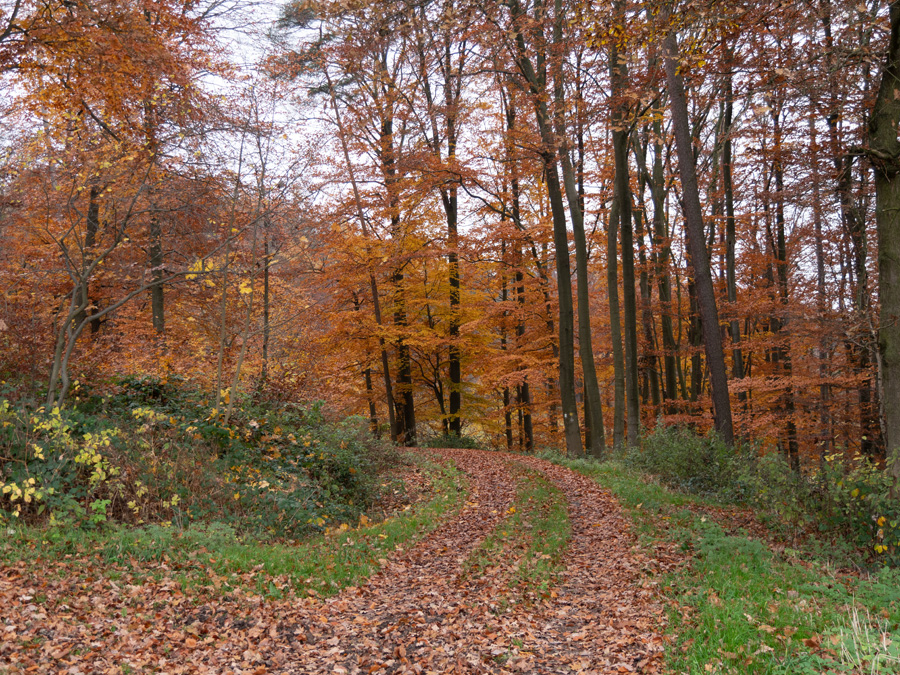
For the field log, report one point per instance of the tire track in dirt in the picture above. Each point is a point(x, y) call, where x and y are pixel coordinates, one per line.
point(606, 618)
point(418, 614)
point(414, 616)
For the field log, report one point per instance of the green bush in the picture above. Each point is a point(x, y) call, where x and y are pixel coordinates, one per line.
point(701, 465)
point(148, 452)
point(451, 440)
point(848, 499)
point(854, 497)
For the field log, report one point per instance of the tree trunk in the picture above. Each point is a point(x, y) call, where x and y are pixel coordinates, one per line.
point(737, 359)
point(693, 214)
point(452, 92)
point(647, 360)
point(405, 405)
point(862, 342)
point(695, 338)
point(266, 328)
point(619, 76)
point(884, 150)
point(662, 253)
point(793, 448)
point(615, 326)
point(373, 284)
point(523, 393)
point(596, 442)
point(367, 375)
point(560, 240)
point(92, 226)
point(825, 433)
point(157, 298)
point(452, 85)
point(370, 397)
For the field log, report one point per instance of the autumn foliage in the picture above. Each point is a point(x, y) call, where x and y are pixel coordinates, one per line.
point(365, 208)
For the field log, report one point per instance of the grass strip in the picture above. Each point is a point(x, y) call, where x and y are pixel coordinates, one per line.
point(213, 556)
point(529, 544)
point(739, 607)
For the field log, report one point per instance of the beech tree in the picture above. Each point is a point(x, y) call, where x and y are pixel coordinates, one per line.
point(722, 174)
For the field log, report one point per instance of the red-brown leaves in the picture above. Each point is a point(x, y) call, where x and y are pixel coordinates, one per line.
point(419, 614)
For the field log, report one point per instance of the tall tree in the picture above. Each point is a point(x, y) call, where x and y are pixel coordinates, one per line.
point(884, 151)
point(693, 216)
point(596, 438)
point(536, 80)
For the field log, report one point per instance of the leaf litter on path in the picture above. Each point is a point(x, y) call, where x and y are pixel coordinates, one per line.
point(419, 614)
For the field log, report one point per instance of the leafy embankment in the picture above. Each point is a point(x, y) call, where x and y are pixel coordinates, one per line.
point(216, 559)
point(150, 452)
point(145, 483)
point(526, 549)
point(740, 604)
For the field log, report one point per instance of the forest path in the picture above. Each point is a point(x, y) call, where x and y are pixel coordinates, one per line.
point(421, 613)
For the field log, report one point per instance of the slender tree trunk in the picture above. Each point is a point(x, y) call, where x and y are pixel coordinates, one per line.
point(454, 365)
point(596, 441)
point(862, 343)
point(524, 390)
point(560, 240)
point(223, 304)
point(373, 284)
point(737, 359)
point(619, 77)
point(404, 402)
point(648, 365)
point(266, 328)
point(504, 343)
point(693, 214)
point(662, 250)
point(452, 85)
point(825, 431)
point(615, 326)
point(793, 447)
point(884, 151)
point(451, 208)
point(695, 337)
point(367, 375)
point(405, 413)
point(370, 397)
point(245, 333)
point(92, 227)
point(157, 297)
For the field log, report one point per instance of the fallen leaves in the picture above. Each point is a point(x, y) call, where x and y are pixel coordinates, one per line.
point(419, 614)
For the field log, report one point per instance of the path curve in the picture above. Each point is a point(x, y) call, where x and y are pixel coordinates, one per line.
point(418, 614)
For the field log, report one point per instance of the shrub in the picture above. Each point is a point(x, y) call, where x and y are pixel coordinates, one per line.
point(701, 465)
point(854, 497)
point(451, 440)
point(849, 499)
point(150, 453)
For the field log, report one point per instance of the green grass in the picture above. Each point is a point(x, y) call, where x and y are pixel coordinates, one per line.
point(214, 556)
point(531, 540)
point(740, 607)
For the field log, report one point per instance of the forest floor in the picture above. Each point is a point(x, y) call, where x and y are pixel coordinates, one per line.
point(532, 569)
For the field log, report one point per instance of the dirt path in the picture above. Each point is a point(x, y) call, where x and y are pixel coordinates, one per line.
point(417, 615)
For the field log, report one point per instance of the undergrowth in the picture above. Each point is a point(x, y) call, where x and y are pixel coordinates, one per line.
point(216, 557)
point(845, 501)
point(451, 440)
point(145, 451)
